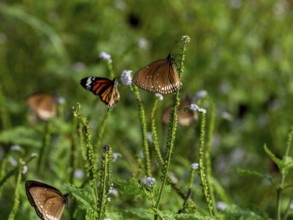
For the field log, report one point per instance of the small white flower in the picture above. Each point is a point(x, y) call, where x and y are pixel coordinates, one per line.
point(143, 43)
point(115, 156)
point(105, 56)
point(195, 108)
point(108, 199)
point(150, 137)
point(79, 173)
point(60, 100)
point(185, 39)
point(291, 206)
point(221, 205)
point(107, 219)
point(200, 94)
point(24, 169)
point(15, 147)
point(160, 96)
point(148, 181)
point(12, 161)
point(126, 78)
point(113, 191)
point(194, 166)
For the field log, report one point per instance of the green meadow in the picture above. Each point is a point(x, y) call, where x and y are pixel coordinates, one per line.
point(233, 160)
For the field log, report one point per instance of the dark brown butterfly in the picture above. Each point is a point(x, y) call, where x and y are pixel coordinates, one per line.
point(185, 116)
point(105, 88)
point(48, 201)
point(159, 76)
point(44, 105)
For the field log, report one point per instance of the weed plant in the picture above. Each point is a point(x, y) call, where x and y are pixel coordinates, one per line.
point(234, 162)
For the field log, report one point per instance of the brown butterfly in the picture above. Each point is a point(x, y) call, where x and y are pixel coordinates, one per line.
point(186, 117)
point(105, 88)
point(159, 76)
point(44, 105)
point(48, 201)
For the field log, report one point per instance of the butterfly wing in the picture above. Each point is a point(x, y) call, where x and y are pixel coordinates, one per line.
point(186, 117)
point(159, 76)
point(43, 104)
point(48, 201)
point(105, 88)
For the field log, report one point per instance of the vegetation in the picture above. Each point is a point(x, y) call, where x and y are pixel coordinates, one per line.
point(234, 58)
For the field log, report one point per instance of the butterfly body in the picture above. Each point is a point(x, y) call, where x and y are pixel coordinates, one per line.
point(159, 76)
point(105, 88)
point(48, 201)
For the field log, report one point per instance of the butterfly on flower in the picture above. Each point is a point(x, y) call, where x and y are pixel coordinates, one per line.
point(159, 76)
point(105, 88)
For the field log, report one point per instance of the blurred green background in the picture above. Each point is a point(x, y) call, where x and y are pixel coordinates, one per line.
point(241, 53)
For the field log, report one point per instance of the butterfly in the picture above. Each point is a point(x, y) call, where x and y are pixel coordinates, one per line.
point(44, 105)
point(48, 201)
point(159, 76)
point(105, 88)
point(186, 117)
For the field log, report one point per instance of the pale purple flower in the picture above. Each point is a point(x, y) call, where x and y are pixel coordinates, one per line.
point(194, 166)
point(143, 43)
point(221, 205)
point(148, 181)
point(115, 156)
point(60, 100)
point(24, 169)
point(15, 147)
point(195, 108)
point(113, 191)
point(126, 78)
point(160, 96)
point(150, 137)
point(200, 94)
point(79, 173)
point(105, 56)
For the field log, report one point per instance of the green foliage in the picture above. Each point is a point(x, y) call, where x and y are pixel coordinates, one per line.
point(240, 52)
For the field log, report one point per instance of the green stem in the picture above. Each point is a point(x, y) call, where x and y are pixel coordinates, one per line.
point(172, 128)
point(102, 129)
point(202, 167)
point(142, 120)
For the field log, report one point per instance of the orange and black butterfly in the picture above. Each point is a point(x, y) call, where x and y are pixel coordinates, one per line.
point(44, 105)
point(105, 88)
point(48, 201)
point(159, 76)
point(186, 116)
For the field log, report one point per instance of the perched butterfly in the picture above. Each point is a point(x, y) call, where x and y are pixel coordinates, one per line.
point(44, 105)
point(159, 76)
point(185, 116)
point(105, 88)
point(48, 201)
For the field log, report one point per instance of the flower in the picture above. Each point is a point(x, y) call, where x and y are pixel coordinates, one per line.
point(148, 181)
point(79, 173)
point(194, 107)
point(126, 78)
point(194, 166)
point(200, 94)
point(105, 56)
point(113, 191)
point(15, 147)
point(115, 156)
point(24, 169)
point(221, 205)
point(143, 43)
point(160, 96)
point(150, 137)
point(185, 38)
